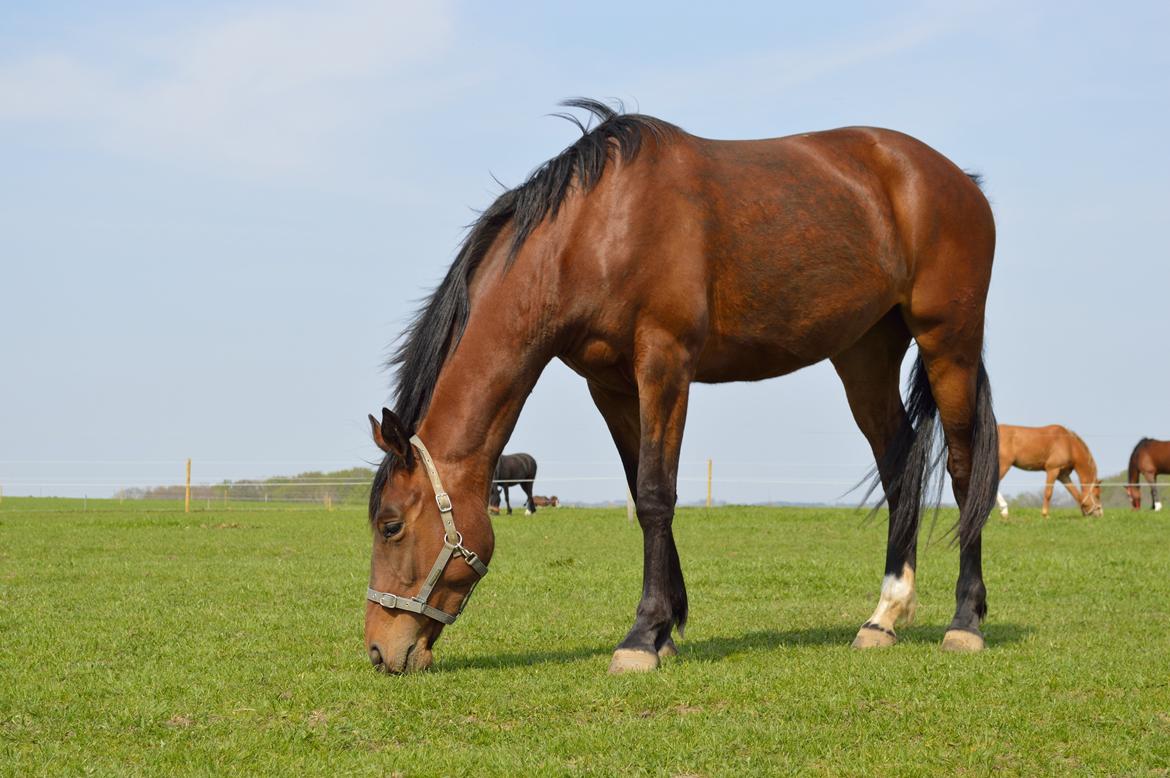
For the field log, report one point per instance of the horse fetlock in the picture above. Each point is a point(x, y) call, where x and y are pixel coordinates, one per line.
point(908, 612)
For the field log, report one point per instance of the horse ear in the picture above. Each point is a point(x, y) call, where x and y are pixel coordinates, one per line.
point(390, 435)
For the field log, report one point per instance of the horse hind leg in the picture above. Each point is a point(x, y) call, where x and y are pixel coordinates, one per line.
point(869, 371)
point(962, 392)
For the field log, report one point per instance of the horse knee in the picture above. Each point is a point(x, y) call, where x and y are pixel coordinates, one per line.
point(654, 506)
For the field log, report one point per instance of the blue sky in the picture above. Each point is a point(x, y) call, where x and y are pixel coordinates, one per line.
point(215, 217)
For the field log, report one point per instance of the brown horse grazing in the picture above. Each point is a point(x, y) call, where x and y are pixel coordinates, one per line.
point(1150, 458)
point(653, 259)
point(1058, 452)
point(546, 502)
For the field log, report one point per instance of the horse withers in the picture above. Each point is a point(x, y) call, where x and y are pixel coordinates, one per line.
point(1150, 458)
point(652, 259)
point(1058, 452)
point(513, 470)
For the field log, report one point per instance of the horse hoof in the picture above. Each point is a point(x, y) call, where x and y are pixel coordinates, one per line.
point(527, 512)
point(962, 641)
point(1004, 514)
point(630, 660)
point(667, 649)
point(871, 637)
point(1157, 506)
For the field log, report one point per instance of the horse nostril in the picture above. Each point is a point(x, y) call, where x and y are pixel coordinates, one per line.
point(376, 656)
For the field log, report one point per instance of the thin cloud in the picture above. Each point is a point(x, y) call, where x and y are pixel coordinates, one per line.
point(269, 89)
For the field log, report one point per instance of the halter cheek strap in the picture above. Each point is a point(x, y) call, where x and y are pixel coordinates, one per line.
point(452, 547)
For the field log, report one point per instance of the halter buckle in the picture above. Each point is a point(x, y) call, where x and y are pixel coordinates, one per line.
point(444, 501)
point(387, 600)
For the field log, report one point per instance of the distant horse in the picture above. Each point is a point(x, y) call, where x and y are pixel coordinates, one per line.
point(1150, 458)
point(513, 470)
point(652, 259)
point(547, 502)
point(1058, 452)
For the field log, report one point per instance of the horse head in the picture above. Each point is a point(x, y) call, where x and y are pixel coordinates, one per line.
point(1135, 495)
point(1091, 504)
point(420, 570)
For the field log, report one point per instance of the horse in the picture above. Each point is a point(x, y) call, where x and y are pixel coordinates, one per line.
point(1058, 452)
point(547, 502)
point(653, 259)
point(513, 470)
point(1150, 458)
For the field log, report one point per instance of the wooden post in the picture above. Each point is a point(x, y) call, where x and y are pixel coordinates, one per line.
point(328, 502)
point(187, 494)
point(708, 483)
point(629, 506)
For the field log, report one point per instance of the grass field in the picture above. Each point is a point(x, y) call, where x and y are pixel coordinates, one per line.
point(136, 639)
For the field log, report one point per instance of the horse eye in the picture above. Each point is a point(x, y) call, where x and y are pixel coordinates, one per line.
point(392, 529)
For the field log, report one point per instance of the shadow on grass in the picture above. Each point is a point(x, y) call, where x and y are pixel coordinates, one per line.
point(717, 648)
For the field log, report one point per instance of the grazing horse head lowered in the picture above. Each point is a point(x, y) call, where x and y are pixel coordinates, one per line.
point(652, 259)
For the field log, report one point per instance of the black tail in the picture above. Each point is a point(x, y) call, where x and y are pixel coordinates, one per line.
point(914, 459)
point(984, 465)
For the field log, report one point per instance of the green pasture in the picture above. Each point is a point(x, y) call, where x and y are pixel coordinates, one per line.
point(135, 639)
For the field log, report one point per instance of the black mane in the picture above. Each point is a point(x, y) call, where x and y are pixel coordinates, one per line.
point(438, 326)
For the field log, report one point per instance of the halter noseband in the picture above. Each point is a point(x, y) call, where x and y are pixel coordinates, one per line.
point(452, 546)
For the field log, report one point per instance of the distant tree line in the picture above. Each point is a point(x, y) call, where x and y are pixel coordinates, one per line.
point(339, 486)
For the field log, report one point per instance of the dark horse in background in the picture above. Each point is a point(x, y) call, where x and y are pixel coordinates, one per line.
point(1150, 458)
point(652, 259)
point(513, 470)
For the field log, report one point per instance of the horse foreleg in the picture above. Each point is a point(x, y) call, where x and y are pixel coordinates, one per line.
point(508, 498)
point(1152, 477)
point(1002, 503)
point(869, 371)
point(620, 411)
point(1050, 480)
point(1071, 487)
point(663, 375)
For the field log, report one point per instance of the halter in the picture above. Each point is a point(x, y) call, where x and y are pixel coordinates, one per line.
point(452, 546)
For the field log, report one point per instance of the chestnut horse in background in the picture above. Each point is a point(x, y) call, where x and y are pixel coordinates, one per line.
point(1058, 452)
point(1150, 458)
point(651, 259)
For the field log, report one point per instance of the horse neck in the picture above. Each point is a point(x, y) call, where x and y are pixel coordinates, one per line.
point(485, 382)
point(1083, 463)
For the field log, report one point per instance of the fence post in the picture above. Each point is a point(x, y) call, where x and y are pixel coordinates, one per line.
point(187, 493)
point(709, 483)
